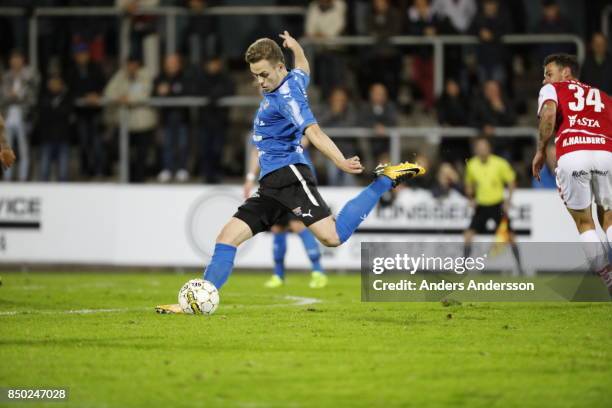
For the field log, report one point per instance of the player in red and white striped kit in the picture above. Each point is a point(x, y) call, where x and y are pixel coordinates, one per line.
point(580, 117)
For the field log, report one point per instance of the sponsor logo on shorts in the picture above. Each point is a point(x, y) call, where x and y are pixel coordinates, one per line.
point(299, 213)
point(578, 140)
point(575, 120)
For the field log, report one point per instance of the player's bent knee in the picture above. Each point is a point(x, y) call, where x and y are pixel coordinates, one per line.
point(330, 241)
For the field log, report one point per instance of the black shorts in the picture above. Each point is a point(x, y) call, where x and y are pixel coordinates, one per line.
point(290, 189)
point(284, 220)
point(483, 214)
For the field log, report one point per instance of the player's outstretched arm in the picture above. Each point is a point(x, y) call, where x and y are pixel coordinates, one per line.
point(548, 116)
point(299, 58)
point(7, 156)
point(326, 146)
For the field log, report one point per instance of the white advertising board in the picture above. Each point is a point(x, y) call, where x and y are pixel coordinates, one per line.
point(176, 226)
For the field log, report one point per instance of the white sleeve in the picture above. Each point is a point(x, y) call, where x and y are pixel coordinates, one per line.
point(547, 93)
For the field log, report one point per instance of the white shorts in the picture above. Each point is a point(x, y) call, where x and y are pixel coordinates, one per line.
point(584, 174)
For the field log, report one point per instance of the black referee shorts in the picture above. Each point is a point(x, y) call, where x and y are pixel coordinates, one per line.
point(290, 189)
point(488, 216)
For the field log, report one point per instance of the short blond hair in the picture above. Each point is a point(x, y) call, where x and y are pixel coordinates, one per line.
point(264, 49)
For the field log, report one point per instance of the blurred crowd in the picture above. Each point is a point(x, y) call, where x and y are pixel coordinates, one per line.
point(63, 115)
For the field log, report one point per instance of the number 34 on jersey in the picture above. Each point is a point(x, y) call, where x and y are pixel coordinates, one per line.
point(584, 117)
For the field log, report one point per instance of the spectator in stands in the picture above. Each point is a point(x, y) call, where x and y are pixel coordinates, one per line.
point(517, 13)
point(172, 83)
point(490, 26)
point(130, 88)
point(326, 19)
point(447, 180)
point(379, 113)
point(547, 175)
point(383, 22)
point(553, 22)
point(458, 13)
point(95, 32)
point(493, 109)
point(54, 110)
point(144, 42)
point(86, 83)
point(200, 38)
point(214, 83)
point(423, 21)
point(597, 68)
point(17, 97)
point(452, 107)
point(339, 112)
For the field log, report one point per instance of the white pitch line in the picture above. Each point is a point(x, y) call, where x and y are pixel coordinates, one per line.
point(302, 301)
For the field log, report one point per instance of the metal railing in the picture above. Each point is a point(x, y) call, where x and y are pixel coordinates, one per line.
point(395, 134)
point(431, 135)
point(170, 14)
point(158, 102)
point(438, 43)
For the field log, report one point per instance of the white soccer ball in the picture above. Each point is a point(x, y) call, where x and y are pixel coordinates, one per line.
point(198, 296)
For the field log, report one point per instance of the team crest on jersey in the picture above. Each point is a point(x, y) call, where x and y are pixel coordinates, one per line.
point(574, 119)
point(265, 105)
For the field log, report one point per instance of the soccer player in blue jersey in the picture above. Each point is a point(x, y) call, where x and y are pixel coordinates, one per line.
point(285, 181)
point(288, 222)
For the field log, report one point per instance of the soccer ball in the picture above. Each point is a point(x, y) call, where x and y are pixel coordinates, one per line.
point(198, 296)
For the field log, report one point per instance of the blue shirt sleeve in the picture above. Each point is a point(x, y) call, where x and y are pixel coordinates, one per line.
point(294, 103)
point(301, 77)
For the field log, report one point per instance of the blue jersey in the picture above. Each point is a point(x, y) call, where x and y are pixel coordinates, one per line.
point(280, 122)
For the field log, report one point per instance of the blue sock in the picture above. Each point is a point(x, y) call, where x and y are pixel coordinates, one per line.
point(279, 250)
point(356, 210)
point(312, 249)
point(221, 264)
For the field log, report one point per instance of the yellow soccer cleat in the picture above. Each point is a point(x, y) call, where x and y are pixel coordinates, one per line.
point(399, 172)
point(318, 280)
point(274, 282)
point(169, 309)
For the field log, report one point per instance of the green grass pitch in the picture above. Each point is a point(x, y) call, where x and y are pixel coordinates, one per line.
point(263, 349)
